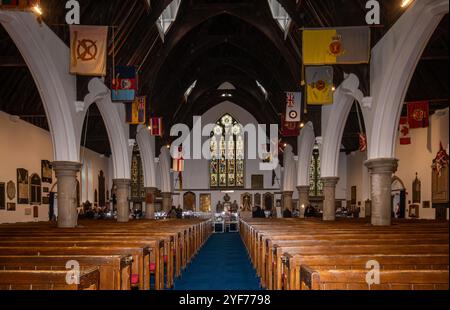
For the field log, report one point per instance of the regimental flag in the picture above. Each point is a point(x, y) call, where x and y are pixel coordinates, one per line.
point(88, 45)
point(289, 129)
point(344, 45)
point(178, 160)
point(18, 4)
point(418, 114)
point(319, 81)
point(135, 111)
point(293, 106)
point(156, 126)
point(124, 84)
point(362, 142)
point(405, 137)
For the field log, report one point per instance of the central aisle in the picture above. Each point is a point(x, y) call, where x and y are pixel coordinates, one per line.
point(222, 264)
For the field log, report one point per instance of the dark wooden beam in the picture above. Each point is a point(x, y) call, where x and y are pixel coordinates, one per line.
point(11, 61)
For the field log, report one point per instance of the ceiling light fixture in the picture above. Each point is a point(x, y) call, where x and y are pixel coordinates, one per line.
point(405, 3)
point(37, 9)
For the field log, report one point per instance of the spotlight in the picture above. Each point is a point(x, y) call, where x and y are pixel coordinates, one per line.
point(302, 125)
point(37, 9)
point(333, 88)
point(405, 3)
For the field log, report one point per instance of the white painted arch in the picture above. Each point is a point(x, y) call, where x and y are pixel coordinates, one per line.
point(165, 166)
point(146, 144)
point(334, 119)
point(115, 127)
point(305, 144)
point(47, 58)
point(394, 60)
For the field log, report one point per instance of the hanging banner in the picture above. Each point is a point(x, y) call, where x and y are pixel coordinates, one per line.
point(405, 137)
point(135, 111)
point(88, 46)
point(293, 106)
point(156, 126)
point(362, 142)
point(343, 45)
point(319, 81)
point(289, 129)
point(18, 4)
point(124, 84)
point(418, 114)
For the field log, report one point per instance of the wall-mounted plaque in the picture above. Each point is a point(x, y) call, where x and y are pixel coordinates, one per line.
point(205, 202)
point(45, 190)
point(257, 181)
point(426, 204)
point(22, 186)
point(2, 196)
point(46, 171)
point(189, 201)
point(416, 188)
point(11, 190)
point(27, 211)
point(45, 200)
point(10, 206)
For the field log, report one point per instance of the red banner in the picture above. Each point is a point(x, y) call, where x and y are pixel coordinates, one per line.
point(418, 114)
point(156, 126)
point(405, 137)
point(289, 129)
point(362, 142)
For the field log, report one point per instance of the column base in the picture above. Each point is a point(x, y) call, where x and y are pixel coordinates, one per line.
point(122, 193)
point(303, 199)
point(329, 203)
point(150, 203)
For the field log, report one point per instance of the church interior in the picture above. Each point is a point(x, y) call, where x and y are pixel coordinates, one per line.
point(224, 145)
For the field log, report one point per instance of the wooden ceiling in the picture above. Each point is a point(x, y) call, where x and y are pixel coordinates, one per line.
point(212, 42)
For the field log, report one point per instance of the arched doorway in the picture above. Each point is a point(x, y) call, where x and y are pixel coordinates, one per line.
point(398, 201)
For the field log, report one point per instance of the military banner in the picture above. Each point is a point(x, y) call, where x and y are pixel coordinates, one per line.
point(344, 45)
point(419, 114)
point(88, 46)
point(293, 106)
point(156, 126)
point(319, 81)
point(135, 111)
point(124, 84)
point(18, 4)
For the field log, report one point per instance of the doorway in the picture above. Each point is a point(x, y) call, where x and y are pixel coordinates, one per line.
point(398, 201)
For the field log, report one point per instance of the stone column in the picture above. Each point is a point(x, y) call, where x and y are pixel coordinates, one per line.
point(166, 202)
point(381, 170)
point(303, 199)
point(122, 194)
point(287, 200)
point(150, 202)
point(66, 175)
point(329, 192)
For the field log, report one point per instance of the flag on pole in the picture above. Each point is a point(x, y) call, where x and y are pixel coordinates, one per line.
point(88, 45)
point(293, 106)
point(135, 111)
point(405, 137)
point(319, 81)
point(18, 4)
point(418, 114)
point(343, 45)
point(156, 126)
point(289, 129)
point(124, 84)
point(362, 142)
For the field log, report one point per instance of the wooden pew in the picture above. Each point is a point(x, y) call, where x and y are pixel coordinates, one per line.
point(389, 280)
point(89, 279)
point(115, 270)
point(292, 264)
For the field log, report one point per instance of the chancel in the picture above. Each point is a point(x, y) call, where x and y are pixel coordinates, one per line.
point(224, 145)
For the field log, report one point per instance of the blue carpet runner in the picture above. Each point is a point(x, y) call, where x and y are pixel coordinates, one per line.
point(222, 264)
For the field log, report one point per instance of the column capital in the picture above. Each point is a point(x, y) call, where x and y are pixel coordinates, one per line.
point(288, 193)
point(382, 165)
point(303, 188)
point(121, 182)
point(330, 181)
point(66, 166)
point(166, 195)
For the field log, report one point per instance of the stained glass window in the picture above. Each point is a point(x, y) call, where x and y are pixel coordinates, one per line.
point(137, 176)
point(315, 183)
point(227, 167)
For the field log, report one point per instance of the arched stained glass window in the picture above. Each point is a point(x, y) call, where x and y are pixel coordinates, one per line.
point(137, 176)
point(227, 166)
point(315, 183)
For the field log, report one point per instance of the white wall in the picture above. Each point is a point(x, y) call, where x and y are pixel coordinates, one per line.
point(341, 186)
point(412, 158)
point(418, 158)
point(24, 146)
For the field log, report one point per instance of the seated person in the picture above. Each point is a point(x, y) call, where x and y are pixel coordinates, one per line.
point(259, 213)
point(172, 213)
point(287, 213)
point(179, 212)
